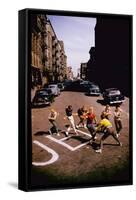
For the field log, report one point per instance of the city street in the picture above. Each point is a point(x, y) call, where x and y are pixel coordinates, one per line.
point(74, 155)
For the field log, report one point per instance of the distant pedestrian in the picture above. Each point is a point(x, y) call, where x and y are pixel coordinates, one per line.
point(52, 119)
point(117, 119)
point(105, 126)
point(69, 114)
point(91, 122)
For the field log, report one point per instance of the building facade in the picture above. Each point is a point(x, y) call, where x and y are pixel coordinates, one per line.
point(48, 58)
point(70, 75)
point(110, 65)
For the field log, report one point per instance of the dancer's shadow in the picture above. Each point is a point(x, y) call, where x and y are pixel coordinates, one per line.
point(80, 138)
point(94, 145)
point(13, 184)
point(39, 133)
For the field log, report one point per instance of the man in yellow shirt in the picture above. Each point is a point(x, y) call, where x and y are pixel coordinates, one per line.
point(105, 126)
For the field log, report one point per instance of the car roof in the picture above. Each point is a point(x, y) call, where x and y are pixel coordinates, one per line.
point(110, 89)
point(52, 84)
point(46, 89)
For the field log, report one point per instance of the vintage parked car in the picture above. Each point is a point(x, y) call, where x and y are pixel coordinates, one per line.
point(85, 85)
point(61, 86)
point(51, 96)
point(93, 90)
point(54, 88)
point(41, 98)
point(113, 96)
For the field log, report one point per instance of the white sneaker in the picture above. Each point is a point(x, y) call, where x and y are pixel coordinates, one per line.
point(66, 133)
point(117, 134)
point(69, 129)
point(77, 126)
point(120, 144)
point(80, 126)
point(98, 151)
point(85, 127)
point(58, 134)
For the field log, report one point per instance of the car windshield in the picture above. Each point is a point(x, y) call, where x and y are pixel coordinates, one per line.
point(95, 87)
point(43, 92)
point(114, 92)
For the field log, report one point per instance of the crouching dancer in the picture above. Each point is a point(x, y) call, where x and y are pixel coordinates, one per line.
point(105, 126)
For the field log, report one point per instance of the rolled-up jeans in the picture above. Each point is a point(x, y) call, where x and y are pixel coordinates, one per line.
point(54, 124)
point(71, 119)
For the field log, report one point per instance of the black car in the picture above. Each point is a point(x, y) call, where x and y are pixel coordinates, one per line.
point(50, 95)
point(113, 96)
point(60, 86)
point(41, 98)
point(93, 90)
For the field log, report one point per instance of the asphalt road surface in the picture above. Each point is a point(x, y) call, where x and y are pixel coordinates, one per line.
point(74, 156)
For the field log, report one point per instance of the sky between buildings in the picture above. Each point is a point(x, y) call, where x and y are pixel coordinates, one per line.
point(78, 36)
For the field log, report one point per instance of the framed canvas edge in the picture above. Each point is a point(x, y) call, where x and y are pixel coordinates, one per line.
point(25, 138)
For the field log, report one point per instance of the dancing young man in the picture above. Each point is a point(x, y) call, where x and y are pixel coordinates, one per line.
point(91, 122)
point(82, 116)
point(105, 126)
point(70, 117)
point(107, 111)
point(117, 120)
point(52, 119)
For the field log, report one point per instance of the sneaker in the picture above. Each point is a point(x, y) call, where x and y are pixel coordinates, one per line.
point(58, 134)
point(69, 129)
point(50, 132)
point(98, 151)
point(120, 144)
point(85, 127)
point(117, 134)
point(80, 126)
point(91, 141)
point(77, 126)
point(66, 133)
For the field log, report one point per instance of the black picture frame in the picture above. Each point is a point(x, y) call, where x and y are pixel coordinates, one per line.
point(29, 179)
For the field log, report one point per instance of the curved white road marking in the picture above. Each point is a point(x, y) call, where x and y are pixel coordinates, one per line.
point(54, 158)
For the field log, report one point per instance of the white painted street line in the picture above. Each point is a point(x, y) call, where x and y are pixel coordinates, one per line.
point(54, 158)
point(77, 131)
point(84, 133)
point(65, 138)
point(60, 142)
point(81, 145)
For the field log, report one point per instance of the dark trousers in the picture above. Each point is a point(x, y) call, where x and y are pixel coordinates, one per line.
point(81, 120)
point(118, 125)
point(91, 129)
point(109, 132)
point(54, 125)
